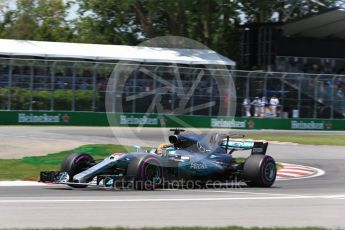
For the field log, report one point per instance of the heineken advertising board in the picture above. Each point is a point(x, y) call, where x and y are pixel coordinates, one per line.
point(40, 118)
point(52, 118)
point(154, 120)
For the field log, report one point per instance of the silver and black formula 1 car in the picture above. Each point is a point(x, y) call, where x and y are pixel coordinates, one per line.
point(188, 158)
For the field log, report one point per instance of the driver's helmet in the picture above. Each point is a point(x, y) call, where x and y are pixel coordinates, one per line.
point(161, 149)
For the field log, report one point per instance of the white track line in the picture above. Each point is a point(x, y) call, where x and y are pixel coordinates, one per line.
point(248, 193)
point(20, 183)
point(330, 196)
point(172, 199)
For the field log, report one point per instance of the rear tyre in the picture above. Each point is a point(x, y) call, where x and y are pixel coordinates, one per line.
point(76, 163)
point(259, 171)
point(146, 171)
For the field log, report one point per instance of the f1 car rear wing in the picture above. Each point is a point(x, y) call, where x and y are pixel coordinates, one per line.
point(257, 147)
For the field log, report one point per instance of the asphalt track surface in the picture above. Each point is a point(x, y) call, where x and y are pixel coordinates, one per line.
point(318, 201)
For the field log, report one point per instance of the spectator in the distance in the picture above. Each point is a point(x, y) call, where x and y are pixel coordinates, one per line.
point(256, 103)
point(247, 106)
point(263, 104)
point(274, 103)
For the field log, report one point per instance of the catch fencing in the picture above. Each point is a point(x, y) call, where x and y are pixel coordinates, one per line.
point(149, 88)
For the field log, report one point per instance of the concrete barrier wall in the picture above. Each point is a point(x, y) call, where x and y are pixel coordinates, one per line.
point(154, 120)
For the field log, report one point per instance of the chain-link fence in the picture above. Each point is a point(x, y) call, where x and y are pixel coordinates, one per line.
point(68, 85)
point(299, 94)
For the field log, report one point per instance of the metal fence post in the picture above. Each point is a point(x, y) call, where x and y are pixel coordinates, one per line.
point(10, 71)
point(94, 86)
point(210, 96)
point(282, 94)
point(265, 85)
point(332, 97)
point(315, 97)
point(31, 84)
point(52, 86)
point(135, 84)
point(248, 85)
point(230, 99)
point(299, 94)
point(73, 85)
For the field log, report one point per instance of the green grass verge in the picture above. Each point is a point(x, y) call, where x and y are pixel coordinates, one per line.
point(197, 228)
point(312, 139)
point(28, 168)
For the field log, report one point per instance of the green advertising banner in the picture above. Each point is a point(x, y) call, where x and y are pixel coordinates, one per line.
point(53, 118)
point(156, 120)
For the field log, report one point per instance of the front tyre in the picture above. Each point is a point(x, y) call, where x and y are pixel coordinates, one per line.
point(146, 171)
point(76, 163)
point(259, 171)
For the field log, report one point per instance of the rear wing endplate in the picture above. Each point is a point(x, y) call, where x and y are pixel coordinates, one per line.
point(259, 148)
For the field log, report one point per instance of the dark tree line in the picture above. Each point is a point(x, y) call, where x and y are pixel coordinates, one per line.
point(211, 22)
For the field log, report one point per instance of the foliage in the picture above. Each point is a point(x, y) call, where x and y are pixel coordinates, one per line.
point(281, 11)
point(132, 21)
point(211, 22)
point(41, 99)
point(37, 20)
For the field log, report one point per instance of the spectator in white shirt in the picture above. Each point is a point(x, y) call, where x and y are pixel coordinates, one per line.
point(274, 103)
point(247, 106)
